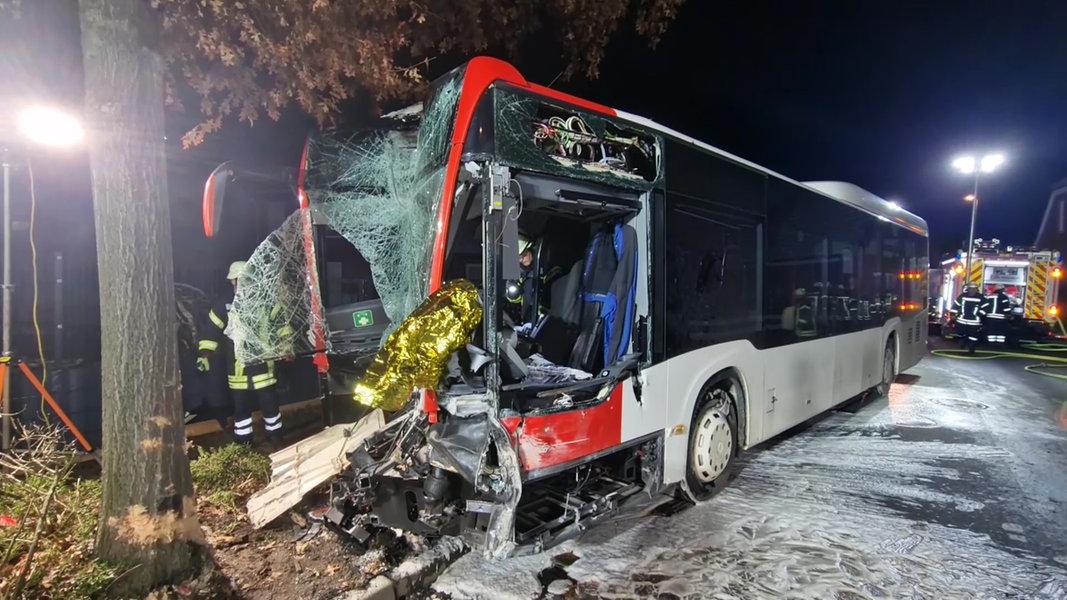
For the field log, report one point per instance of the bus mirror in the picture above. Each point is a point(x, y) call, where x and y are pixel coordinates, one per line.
point(214, 194)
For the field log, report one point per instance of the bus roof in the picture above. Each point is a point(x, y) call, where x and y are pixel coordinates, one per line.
point(841, 191)
point(859, 197)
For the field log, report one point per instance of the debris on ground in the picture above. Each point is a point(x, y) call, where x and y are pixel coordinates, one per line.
point(294, 556)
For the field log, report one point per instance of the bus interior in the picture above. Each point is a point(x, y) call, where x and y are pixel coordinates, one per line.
point(584, 250)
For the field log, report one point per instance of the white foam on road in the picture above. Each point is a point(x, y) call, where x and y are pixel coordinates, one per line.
point(808, 519)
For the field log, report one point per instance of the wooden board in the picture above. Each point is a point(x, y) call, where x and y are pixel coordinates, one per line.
point(307, 464)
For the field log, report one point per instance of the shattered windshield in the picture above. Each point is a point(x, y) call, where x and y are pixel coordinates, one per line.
point(380, 191)
point(435, 132)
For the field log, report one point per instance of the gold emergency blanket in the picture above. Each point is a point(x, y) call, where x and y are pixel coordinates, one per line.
point(416, 354)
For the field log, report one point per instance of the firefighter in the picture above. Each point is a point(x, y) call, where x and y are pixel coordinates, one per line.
point(523, 293)
point(968, 312)
point(249, 385)
point(997, 307)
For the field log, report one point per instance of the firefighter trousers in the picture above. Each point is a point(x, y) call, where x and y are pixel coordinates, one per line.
point(246, 401)
point(995, 330)
point(968, 332)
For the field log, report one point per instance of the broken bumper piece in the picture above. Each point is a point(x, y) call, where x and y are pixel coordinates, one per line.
point(457, 477)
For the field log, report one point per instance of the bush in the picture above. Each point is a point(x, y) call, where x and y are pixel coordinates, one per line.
point(48, 525)
point(224, 475)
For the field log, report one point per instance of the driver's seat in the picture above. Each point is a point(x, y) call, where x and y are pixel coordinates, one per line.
point(605, 299)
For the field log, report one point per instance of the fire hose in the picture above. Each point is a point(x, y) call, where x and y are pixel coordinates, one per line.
point(1047, 366)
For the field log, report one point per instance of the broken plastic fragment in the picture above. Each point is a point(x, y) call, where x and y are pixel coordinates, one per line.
point(305, 465)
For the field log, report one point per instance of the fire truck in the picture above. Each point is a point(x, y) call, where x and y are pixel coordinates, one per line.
point(1030, 278)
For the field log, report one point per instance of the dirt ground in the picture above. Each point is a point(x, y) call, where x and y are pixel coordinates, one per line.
point(296, 557)
point(279, 562)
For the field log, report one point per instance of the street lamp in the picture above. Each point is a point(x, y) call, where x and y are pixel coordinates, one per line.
point(47, 127)
point(969, 165)
point(50, 127)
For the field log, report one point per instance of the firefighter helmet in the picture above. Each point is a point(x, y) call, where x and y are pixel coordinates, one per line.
point(971, 287)
point(237, 269)
point(525, 245)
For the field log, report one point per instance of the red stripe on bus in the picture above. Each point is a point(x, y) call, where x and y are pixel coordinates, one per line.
point(550, 440)
point(481, 73)
point(318, 320)
point(301, 192)
point(569, 99)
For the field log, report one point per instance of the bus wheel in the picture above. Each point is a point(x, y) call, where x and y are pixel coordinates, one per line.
point(889, 370)
point(712, 441)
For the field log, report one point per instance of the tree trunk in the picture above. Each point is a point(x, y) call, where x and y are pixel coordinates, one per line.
point(149, 512)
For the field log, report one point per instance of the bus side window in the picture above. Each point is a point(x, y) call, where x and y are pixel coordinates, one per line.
point(709, 274)
point(711, 256)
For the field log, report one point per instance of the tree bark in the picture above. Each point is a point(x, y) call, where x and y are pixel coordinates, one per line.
point(149, 516)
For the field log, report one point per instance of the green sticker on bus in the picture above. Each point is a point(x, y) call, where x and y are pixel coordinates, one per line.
point(363, 318)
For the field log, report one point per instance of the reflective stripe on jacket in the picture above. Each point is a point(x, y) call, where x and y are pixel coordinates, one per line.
point(239, 376)
point(997, 306)
point(968, 309)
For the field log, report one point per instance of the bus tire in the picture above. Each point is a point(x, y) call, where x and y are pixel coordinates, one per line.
point(889, 369)
point(713, 439)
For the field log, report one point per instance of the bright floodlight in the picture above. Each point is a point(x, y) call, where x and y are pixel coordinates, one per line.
point(969, 197)
point(991, 161)
point(893, 204)
point(50, 127)
point(965, 164)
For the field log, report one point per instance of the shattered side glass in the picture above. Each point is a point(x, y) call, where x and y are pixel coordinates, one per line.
point(535, 135)
point(277, 307)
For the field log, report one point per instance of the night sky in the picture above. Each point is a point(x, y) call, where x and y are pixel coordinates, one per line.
point(881, 94)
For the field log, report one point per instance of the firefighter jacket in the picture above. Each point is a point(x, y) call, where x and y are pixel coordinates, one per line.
point(239, 375)
point(997, 306)
point(968, 309)
point(530, 285)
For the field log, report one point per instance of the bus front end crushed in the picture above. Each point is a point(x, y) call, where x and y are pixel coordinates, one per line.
point(457, 476)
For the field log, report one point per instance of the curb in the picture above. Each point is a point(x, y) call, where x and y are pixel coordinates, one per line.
point(414, 574)
point(379, 588)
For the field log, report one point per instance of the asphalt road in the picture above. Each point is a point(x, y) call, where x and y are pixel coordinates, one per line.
point(953, 487)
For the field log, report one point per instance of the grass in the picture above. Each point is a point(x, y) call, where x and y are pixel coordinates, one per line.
point(62, 564)
point(225, 475)
point(49, 517)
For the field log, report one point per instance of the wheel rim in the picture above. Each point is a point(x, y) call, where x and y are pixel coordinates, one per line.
point(714, 444)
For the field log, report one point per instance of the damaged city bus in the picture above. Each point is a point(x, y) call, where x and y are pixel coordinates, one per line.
point(676, 306)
